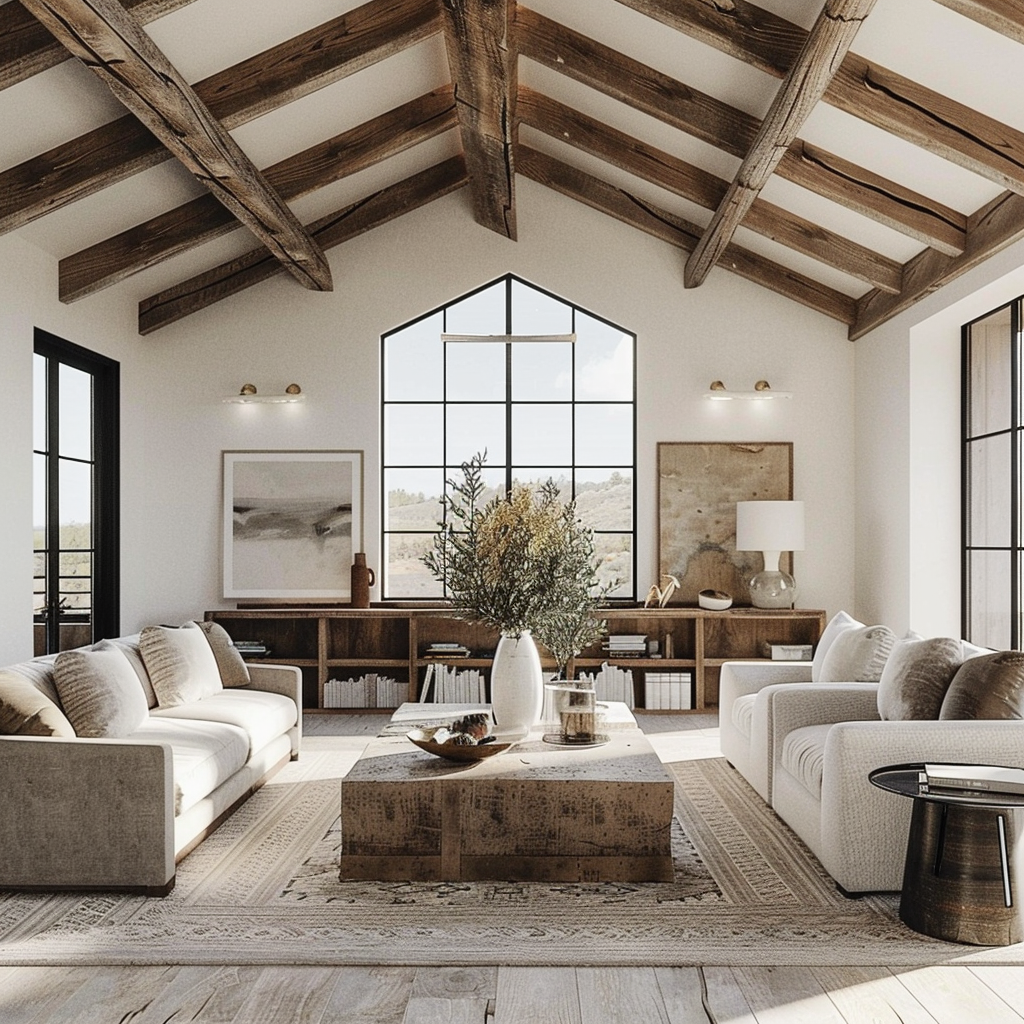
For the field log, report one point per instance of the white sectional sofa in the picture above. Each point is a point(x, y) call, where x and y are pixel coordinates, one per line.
point(115, 800)
point(807, 747)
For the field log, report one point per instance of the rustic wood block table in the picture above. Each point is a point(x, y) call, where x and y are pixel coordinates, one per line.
point(536, 812)
point(965, 861)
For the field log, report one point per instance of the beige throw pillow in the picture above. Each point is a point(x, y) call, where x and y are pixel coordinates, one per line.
point(988, 686)
point(916, 677)
point(180, 664)
point(100, 691)
point(858, 655)
point(838, 624)
point(233, 669)
point(26, 711)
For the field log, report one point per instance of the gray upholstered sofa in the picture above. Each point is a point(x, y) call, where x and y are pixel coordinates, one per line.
point(807, 747)
point(116, 799)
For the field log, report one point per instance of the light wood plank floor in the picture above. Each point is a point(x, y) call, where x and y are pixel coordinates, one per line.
point(515, 995)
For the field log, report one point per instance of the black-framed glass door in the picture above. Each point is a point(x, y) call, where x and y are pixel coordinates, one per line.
point(76, 431)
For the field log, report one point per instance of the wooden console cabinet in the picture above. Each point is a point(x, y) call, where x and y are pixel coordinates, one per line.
point(335, 642)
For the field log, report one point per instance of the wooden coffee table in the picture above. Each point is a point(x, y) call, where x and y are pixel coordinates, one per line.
point(535, 812)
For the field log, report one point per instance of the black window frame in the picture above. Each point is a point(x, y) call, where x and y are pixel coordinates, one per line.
point(509, 279)
point(105, 615)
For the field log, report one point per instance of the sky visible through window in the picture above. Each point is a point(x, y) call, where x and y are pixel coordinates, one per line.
point(541, 410)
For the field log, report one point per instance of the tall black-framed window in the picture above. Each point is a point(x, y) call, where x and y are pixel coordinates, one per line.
point(993, 559)
point(76, 440)
point(541, 408)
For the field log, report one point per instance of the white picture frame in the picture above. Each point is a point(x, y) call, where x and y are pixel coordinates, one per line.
point(292, 521)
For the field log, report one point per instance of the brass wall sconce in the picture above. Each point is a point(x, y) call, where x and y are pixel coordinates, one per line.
point(248, 394)
point(718, 392)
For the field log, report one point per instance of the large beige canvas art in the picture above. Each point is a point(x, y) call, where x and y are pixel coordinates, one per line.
point(698, 487)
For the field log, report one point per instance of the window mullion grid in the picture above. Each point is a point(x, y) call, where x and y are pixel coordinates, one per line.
point(52, 504)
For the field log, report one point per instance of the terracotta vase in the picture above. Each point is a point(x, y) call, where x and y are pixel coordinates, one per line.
point(517, 684)
point(362, 579)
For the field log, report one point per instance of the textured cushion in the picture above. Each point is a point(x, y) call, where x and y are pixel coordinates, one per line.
point(100, 692)
point(858, 655)
point(233, 670)
point(130, 646)
point(839, 623)
point(743, 713)
point(916, 677)
point(203, 755)
point(988, 686)
point(803, 756)
point(25, 710)
point(262, 716)
point(180, 663)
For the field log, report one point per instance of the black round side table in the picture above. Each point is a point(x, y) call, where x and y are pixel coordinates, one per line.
point(965, 860)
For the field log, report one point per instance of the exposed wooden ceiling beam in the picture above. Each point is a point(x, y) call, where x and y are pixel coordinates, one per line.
point(698, 186)
point(638, 213)
point(1003, 16)
point(205, 289)
point(992, 228)
point(804, 85)
point(104, 36)
point(631, 82)
point(483, 61)
point(238, 94)
point(26, 47)
point(202, 219)
point(877, 95)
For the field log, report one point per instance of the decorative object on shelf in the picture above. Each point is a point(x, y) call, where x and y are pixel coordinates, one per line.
point(718, 392)
point(699, 484)
point(659, 597)
point(771, 527)
point(292, 521)
point(249, 395)
point(523, 565)
point(714, 600)
point(363, 578)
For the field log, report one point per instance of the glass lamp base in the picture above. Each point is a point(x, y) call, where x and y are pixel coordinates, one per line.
point(773, 590)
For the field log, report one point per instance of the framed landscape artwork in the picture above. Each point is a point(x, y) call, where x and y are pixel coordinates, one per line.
point(698, 486)
point(292, 522)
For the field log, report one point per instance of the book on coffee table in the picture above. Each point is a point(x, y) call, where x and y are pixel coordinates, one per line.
point(980, 778)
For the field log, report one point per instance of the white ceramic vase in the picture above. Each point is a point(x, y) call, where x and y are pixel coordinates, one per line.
point(517, 685)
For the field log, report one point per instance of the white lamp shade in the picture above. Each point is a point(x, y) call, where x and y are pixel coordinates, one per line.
point(769, 526)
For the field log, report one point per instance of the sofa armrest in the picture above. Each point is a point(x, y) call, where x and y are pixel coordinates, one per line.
point(852, 808)
point(287, 681)
point(794, 707)
point(86, 813)
point(744, 677)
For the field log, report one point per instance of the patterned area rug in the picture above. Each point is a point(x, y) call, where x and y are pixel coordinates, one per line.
point(264, 890)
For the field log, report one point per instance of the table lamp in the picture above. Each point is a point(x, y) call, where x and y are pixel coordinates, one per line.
point(770, 527)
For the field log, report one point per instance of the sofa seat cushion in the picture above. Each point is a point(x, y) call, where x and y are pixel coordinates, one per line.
point(204, 754)
point(261, 716)
point(803, 756)
point(743, 713)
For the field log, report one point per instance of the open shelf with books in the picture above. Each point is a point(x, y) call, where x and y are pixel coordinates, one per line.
point(379, 657)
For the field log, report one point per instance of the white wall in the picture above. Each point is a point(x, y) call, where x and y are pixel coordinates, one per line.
point(908, 452)
point(176, 425)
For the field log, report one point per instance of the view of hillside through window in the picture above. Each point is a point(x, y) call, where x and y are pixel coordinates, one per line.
point(540, 408)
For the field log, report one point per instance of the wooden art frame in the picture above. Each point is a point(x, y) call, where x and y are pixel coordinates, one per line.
point(699, 484)
point(292, 522)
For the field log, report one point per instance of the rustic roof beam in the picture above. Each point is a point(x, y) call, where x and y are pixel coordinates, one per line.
point(27, 47)
point(238, 94)
point(873, 93)
point(193, 223)
point(1003, 16)
point(698, 186)
point(205, 289)
point(808, 78)
point(991, 229)
point(638, 213)
point(105, 37)
point(629, 81)
point(480, 42)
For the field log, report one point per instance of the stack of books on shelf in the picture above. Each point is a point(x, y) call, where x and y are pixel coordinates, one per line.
point(368, 691)
point(972, 778)
point(610, 683)
point(626, 645)
point(443, 684)
point(668, 691)
point(252, 648)
point(446, 651)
